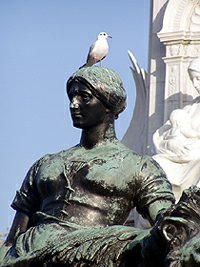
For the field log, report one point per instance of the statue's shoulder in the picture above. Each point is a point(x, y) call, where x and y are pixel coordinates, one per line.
point(128, 153)
point(136, 160)
point(57, 156)
point(127, 150)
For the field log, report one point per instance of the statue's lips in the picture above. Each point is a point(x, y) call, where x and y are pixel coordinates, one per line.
point(76, 115)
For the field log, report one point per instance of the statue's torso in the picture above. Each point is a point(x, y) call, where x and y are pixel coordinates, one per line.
point(88, 187)
point(93, 187)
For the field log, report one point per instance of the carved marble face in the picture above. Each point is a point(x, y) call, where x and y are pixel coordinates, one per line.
point(195, 78)
point(86, 109)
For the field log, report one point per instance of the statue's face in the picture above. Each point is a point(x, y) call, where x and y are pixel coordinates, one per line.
point(195, 78)
point(86, 110)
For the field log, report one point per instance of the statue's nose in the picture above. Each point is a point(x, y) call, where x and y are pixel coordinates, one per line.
point(74, 103)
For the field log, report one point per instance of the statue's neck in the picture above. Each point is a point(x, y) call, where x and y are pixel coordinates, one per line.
point(96, 135)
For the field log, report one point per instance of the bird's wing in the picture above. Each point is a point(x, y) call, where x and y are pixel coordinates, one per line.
point(90, 52)
point(90, 60)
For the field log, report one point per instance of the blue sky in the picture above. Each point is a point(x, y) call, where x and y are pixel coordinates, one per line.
point(42, 44)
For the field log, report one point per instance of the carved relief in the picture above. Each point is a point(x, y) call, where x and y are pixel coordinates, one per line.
point(174, 50)
point(177, 49)
point(181, 37)
point(195, 19)
point(182, 15)
point(194, 50)
point(191, 49)
point(172, 85)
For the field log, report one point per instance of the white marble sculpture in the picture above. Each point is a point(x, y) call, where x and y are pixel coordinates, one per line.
point(177, 142)
point(137, 127)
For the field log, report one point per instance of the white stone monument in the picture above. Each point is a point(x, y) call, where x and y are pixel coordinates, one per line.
point(174, 40)
point(177, 142)
point(180, 35)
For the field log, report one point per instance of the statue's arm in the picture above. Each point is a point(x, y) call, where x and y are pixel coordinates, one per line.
point(26, 202)
point(19, 225)
point(155, 194)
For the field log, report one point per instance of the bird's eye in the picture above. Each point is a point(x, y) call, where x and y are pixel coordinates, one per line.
point(104, 33)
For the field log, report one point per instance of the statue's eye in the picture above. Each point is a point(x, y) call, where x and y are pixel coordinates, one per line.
point(85, 96)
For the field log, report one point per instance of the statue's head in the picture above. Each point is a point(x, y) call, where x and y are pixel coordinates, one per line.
point(104, 84)
point(194, 73)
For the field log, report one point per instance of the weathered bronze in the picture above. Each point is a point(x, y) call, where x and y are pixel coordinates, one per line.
point(72, 206)
point(180, 228)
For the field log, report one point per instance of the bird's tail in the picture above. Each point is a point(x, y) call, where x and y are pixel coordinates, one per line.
point(83, 66)
point(87, 64)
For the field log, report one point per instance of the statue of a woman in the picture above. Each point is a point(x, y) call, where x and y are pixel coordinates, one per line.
point(177, 142)
point(72, 204)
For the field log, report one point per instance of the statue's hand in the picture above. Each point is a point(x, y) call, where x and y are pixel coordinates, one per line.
point(177, 147)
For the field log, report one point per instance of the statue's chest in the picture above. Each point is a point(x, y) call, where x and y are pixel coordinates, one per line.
point(103, 175)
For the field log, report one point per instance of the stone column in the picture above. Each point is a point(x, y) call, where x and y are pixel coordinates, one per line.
point(156, 72)
point(180, 35)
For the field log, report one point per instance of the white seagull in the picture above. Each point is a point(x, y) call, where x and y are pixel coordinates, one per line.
point(98, 50)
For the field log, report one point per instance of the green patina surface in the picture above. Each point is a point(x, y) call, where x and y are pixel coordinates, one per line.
point(77, 200)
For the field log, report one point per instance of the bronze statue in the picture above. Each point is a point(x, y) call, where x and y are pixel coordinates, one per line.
point(72, 206)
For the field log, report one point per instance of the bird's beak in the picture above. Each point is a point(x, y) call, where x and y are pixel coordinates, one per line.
point(109, 36)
